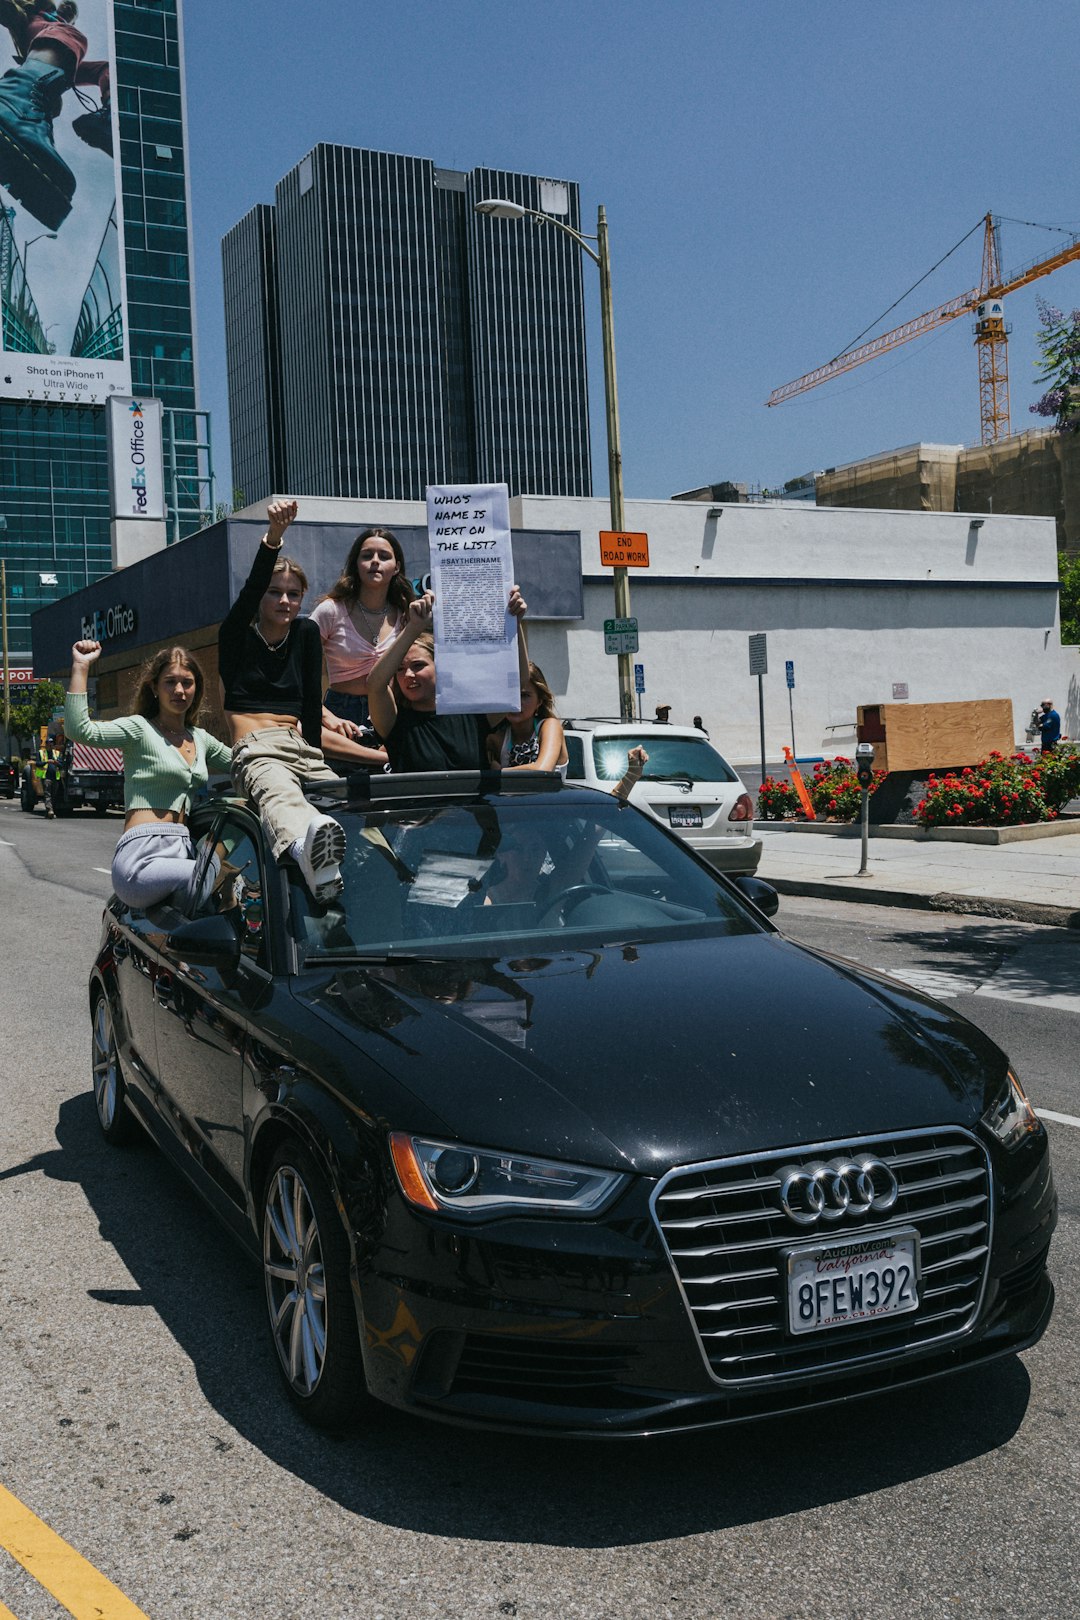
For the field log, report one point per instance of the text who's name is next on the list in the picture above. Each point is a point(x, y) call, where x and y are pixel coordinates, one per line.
point(467, 536)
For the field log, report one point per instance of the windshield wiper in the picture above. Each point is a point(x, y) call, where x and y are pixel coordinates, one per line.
point(672, 776)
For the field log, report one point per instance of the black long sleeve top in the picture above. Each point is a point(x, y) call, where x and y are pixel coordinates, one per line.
point(286, 679)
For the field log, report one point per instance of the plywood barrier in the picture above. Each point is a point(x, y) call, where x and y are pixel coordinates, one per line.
point(936, 736)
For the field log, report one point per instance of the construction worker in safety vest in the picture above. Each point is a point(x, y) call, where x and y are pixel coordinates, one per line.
point(48, 757)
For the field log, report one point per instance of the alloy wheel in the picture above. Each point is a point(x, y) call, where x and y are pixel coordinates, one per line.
point(295, 1280)
point(106, 1066)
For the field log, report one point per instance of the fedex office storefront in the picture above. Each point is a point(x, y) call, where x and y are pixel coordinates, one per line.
point(182, 593)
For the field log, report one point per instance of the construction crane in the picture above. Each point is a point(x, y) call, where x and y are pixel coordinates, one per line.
point(990, 329)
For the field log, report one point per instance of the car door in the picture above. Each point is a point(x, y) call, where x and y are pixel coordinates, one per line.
point(203, 1013)
point(136, 949)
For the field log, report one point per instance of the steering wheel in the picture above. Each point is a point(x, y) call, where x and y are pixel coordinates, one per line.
point(571, 898)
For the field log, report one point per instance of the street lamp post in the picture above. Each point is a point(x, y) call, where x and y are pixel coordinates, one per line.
point(40, 237)
point(502, 208)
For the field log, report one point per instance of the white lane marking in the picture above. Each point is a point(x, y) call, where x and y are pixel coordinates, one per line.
point(1058, 1119)
point(8, 842)
point(104, 869)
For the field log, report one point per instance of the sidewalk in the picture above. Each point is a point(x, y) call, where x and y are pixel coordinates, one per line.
point(1035, 882)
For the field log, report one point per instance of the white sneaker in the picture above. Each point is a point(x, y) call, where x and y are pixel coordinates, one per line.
point(320, 858)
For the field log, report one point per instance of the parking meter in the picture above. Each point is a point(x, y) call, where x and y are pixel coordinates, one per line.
point(864, 770)
point(864, 764)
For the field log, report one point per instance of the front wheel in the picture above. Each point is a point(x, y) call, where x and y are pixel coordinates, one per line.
point(117, 1125)
point(308, 1296)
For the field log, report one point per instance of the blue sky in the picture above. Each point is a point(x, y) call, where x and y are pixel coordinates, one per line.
point(774, 174)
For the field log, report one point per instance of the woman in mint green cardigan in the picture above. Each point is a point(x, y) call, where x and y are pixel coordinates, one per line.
point(167, 759)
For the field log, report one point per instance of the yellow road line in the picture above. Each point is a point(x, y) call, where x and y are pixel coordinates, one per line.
point(82, 1590)
point(5, 1614)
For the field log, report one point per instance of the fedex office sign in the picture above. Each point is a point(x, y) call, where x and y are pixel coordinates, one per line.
point(136, 475)
point(106, 626)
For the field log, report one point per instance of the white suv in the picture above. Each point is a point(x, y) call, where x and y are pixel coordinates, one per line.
point(687, 785)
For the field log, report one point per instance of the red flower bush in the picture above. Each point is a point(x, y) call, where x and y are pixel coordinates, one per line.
point(998, 792)
point(835, 792)
point(777, 800)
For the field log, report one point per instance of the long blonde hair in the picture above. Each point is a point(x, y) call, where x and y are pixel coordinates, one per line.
point(426, 642)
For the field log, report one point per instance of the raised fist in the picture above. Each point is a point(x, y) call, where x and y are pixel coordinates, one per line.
point(85, 652)
point(279, 514)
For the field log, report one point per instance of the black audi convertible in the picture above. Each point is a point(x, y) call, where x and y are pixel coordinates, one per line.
point(543, 1125)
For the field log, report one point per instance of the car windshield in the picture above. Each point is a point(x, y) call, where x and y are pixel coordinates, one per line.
point(668, 757)
point(450, 879)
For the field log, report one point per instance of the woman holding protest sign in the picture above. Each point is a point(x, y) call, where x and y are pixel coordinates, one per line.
point(401, 697)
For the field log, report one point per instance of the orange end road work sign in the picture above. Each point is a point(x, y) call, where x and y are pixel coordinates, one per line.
point(619, 549)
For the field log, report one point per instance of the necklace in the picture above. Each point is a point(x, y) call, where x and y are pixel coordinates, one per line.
point(376, 619)
point(174, 735)
point(272, 646)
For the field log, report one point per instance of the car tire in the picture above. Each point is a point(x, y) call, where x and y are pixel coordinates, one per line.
point(114, 1117)
point(26, 799)
point(101, 808)
point(308, 1292)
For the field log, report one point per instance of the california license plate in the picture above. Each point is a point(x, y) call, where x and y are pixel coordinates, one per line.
point(852, 1280)
point(684, 815)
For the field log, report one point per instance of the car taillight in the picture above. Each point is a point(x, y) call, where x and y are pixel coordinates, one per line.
point(742, 809)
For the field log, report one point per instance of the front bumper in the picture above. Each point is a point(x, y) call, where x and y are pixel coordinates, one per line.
point(580, 1329)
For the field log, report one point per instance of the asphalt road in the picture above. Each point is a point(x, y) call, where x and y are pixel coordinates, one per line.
point(141, 1418)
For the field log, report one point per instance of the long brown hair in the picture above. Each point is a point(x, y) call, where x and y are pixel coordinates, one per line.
point(545, 708)
point(144, 699)
point(347, 588)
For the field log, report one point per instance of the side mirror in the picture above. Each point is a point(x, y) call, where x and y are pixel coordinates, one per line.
point(760, 894)
point(207, 942)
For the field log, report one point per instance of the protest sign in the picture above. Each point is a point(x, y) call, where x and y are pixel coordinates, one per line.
point(472, 570)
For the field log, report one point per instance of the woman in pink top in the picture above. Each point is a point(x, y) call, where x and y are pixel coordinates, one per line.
point(359, 618)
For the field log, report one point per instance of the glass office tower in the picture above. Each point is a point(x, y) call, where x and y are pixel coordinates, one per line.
point(54, 496)
point(383, 336)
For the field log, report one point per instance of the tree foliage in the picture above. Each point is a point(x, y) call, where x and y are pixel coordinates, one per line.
point(33, 710)
point(1069, 574)
point(1059, 344)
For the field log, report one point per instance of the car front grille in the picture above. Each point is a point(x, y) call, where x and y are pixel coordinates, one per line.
point(726, 1234)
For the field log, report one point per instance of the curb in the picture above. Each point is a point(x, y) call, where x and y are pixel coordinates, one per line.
point(1028, 911)
point(1024, 833)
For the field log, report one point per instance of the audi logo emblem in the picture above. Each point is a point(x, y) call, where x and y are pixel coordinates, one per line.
point(824, 1192)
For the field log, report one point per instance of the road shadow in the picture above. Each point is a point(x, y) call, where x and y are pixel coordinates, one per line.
point(1029, 961)
point(442, 1481)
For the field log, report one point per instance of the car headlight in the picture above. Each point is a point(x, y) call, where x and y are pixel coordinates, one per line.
point(482, 1181)
point(1011, 1117)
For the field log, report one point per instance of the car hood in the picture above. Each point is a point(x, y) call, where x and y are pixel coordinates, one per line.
point(647, 1055)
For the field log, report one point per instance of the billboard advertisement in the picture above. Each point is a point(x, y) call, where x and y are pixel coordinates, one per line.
point(136, 461)
point(64, 334)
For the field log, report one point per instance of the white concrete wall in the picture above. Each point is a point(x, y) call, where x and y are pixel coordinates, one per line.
point(858, 599)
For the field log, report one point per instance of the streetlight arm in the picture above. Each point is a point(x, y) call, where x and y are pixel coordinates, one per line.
point(503, 208)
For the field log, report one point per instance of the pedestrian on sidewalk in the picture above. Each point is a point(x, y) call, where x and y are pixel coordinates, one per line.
point(1049, 723)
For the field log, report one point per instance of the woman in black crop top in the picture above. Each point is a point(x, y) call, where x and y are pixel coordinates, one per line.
point(401, 698)
point(270, 663)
